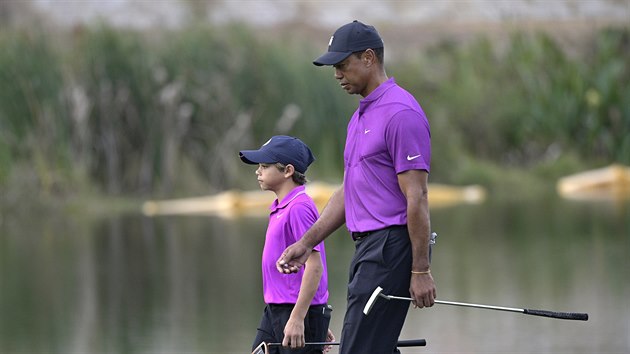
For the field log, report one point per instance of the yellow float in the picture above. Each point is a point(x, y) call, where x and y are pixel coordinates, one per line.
point(607, 183)
point(233, 203)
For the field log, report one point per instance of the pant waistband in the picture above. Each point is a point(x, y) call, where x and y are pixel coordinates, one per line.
point(292, 305)
point(356, 236)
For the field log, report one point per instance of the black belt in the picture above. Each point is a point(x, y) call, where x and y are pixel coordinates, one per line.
point(281, 305)
point(275, 306)
point(356, 236)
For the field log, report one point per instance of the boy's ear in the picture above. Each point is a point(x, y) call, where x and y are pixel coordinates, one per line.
point(289, 171)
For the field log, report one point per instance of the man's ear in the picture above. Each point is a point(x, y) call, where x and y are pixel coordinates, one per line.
point(369, 57)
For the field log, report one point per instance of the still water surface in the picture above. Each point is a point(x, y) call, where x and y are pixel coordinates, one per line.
point(191, 284)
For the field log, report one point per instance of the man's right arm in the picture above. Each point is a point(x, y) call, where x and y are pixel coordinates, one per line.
point(332, 217)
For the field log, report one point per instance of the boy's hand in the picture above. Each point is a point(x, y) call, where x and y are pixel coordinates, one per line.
point(330, 337)
point(293, 334)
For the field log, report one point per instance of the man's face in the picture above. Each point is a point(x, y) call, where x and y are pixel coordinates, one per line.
point(351, 74)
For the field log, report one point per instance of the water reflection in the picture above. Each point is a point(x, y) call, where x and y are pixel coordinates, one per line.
point(131, 284)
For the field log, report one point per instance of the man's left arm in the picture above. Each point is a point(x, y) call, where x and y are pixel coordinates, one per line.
point(414, 185)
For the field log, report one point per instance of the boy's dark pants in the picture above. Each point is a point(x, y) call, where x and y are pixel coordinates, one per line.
point(382, 258)
point(275, 317)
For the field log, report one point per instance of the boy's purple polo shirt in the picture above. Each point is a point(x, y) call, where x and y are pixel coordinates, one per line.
point(288, 221)
point(388, 134)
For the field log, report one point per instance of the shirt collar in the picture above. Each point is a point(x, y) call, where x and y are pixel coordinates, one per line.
point(296, 192)
point(365, 103)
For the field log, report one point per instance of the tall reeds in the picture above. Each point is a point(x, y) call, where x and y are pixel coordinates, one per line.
point(166, 113)
point(526, 101)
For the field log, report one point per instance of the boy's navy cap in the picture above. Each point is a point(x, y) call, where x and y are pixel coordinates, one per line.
point(352, 37)
point(283, 149)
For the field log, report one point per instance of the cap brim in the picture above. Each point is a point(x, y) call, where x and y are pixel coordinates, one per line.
point(253, 157)
point(331, 58)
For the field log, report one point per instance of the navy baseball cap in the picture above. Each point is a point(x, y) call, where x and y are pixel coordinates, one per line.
point(352, 37)
point(283, 149)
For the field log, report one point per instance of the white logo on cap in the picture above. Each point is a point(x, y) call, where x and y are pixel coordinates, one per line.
point(330, 41)
point(268, 141)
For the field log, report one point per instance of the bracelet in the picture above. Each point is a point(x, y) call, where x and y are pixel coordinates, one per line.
point(425, 272)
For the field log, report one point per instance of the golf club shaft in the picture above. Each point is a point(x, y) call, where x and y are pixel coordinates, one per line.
point(543, 313)
point(453, 303)
point(400, 343)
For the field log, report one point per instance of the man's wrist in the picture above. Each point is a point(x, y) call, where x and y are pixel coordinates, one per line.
point(421, 272)
point(307, 241)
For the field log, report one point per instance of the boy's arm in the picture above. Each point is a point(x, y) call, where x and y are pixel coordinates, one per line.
point(333, 216)
point(294, 329)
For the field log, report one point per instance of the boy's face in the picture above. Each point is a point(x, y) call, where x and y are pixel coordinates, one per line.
point(270, 178)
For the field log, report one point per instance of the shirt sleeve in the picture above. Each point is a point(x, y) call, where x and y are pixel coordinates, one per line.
point(408, 140)
point(302, 217)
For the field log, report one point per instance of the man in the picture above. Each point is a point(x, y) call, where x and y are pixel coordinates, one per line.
point(383, 199)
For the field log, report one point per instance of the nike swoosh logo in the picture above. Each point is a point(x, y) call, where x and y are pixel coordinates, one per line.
point(366, 131)
point(409, 158)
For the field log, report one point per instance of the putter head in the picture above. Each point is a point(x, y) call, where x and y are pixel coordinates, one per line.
point(375, 295)
point(261, 349)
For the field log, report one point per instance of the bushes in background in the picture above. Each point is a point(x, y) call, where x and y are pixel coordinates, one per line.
point(166, 113)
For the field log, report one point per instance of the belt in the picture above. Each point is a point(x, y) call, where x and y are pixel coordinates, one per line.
point(356, 236)
point(286, 306)
point(281, 305)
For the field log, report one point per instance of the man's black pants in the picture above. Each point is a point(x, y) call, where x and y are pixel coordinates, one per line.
point(382, 258)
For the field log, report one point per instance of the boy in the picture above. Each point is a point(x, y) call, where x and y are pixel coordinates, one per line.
point(296, 308)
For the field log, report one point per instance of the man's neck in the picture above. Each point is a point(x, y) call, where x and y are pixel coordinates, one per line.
point(375, 82)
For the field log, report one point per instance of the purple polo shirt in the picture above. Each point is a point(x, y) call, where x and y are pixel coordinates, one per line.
point(388, 134)
point(288, 221)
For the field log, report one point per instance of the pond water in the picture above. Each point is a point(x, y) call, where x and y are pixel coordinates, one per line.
point(191, 284)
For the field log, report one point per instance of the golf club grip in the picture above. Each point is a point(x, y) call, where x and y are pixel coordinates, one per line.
point(305, 344)
point(560, 315)
point(412, 343)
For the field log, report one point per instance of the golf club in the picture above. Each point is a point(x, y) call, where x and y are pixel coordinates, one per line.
point(378, 292)
point(263, 348)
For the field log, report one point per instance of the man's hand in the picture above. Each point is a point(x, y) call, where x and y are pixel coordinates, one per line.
point(293, 258)
point(422, 290)
point(293, 334)
point(333, 216)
